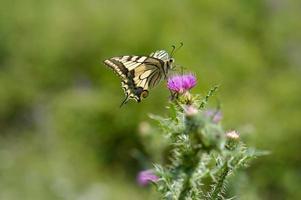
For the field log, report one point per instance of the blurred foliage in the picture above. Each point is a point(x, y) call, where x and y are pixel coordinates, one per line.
point(63, 135)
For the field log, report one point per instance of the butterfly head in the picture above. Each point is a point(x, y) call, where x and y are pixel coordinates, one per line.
point(170, 63)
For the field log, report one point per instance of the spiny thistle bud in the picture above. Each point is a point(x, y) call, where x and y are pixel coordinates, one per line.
point(213, 137)
point(232, 140)
point(190, 111)
point(191, 122)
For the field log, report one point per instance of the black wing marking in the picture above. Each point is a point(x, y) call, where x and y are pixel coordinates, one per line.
point(117, 66)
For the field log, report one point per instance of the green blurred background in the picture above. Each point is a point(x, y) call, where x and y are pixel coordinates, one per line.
point(63, 135)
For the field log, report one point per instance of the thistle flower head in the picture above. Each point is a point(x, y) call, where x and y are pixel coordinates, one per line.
point(215, 115)
point(232, 135)
point(146, 176)
point(181, 83)
point(232, 140)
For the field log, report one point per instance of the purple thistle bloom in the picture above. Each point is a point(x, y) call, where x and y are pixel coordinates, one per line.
point(216, 116)
point(181, 83)
point(146, 176)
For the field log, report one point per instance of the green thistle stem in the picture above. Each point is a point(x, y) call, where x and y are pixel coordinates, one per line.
point(190, 165)
point(189, 173)
point(186, 187)
point(215, 194)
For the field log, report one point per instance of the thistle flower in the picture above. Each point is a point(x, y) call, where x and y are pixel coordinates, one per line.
point(232, 135)
point(215, 115)
point(146, 176)
point(232, 140)
point(181, 83)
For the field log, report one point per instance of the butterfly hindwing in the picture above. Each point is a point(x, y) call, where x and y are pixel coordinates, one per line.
point(117, 66)
point(140, 73)
point(149, 73)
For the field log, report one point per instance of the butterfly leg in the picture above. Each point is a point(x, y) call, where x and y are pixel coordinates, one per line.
point(173, 95)
point(125, 100)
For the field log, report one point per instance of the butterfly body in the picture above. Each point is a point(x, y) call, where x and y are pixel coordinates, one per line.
point(140, 73)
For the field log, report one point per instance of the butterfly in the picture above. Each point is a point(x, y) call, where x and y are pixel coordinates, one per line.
point(140, 73)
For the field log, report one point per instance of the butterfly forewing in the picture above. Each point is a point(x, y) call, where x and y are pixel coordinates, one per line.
point(140, 73)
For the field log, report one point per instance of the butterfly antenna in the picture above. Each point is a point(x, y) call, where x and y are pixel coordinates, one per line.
point(173, 50)
point(181, 44)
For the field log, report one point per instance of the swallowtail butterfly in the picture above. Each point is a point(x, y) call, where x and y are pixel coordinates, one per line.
point(140, 73)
